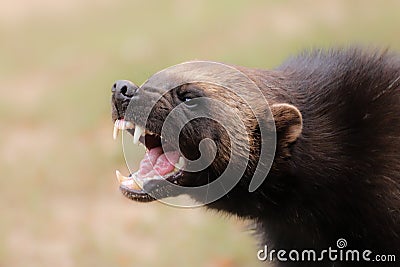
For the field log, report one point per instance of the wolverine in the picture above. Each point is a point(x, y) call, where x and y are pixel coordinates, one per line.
point(322, 131)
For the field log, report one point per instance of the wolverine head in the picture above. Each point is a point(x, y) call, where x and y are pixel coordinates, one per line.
point(207, 128)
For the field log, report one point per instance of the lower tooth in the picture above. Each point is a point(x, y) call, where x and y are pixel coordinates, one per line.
point(180, 163)
point(135, 185)
point(138, 181)
point(120, 177)
point(130, 182)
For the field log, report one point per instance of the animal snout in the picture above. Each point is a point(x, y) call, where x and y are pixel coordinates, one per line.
point(124, 89)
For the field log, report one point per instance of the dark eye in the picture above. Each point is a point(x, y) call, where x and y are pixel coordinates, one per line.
point(189, 95)
point(189, 101)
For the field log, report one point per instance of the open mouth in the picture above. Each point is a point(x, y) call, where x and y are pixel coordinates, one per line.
point(161, 166)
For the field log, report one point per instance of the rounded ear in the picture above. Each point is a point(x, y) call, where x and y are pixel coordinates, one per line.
point(288, 122)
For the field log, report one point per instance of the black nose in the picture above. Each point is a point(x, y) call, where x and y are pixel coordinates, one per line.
point(124, 89)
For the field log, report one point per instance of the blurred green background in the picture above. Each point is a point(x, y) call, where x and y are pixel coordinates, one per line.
point(60, 204)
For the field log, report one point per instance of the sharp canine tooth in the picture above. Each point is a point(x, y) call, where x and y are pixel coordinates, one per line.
point(120, 177)
point(132, 183)
point(138, 132)
point(115, 132)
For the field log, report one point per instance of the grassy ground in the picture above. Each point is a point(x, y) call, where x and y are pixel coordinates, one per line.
point(60, 205)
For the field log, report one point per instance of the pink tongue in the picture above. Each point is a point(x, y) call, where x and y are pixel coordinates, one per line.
point(157, 163)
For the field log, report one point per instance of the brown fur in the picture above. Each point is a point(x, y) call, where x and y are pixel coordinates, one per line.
point(336, 170)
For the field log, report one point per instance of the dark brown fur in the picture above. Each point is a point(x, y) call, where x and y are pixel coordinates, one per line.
point(336, 172)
